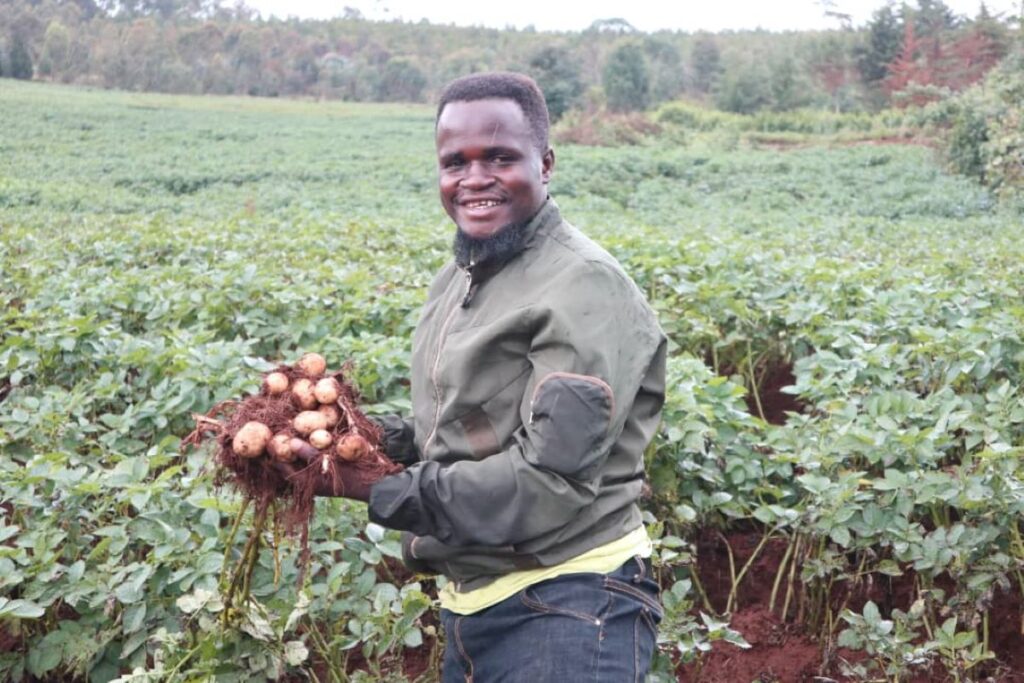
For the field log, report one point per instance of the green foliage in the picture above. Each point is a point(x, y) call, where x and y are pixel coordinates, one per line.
point(401, 81)
point(666, 69)
point(626, 79)
point(985, 137)
point(745, 88)
point(883, 43)
point(19, 61)
point(159, 252)
point(219, 47)
point(558, 75)
point(706, 63)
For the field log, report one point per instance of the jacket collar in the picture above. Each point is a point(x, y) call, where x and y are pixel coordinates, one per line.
point(542, 223)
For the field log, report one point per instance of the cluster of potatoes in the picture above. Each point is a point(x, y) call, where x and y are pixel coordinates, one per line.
point(319, 414)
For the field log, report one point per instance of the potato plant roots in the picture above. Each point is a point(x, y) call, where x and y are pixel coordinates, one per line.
point(279, 500)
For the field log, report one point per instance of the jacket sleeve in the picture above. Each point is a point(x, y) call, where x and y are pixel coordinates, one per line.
point(590, 352)
point(398, 436)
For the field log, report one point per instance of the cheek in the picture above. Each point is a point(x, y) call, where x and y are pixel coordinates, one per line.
point(446, 189)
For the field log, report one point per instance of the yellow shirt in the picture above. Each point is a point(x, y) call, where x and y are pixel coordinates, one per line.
point(601, 560)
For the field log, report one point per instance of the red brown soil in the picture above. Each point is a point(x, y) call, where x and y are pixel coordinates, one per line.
point(785, 652)
point(783, 144)
point(774, 402)
point(772, 380)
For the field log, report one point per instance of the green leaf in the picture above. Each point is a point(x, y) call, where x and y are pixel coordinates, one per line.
point(849, 639)
point(840, 535)
point(375, 532)
point(295, 652)
point(22, 609)
point(134, 617)
point(871, 613)
point(684, 513)
point(46, 655)
point(412, 638)
point(194, 601)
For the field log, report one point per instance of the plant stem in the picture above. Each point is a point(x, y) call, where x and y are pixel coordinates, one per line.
point(792, 574)
point(779, 573)
point(247, 563)
point(695, 580)
point(984, 631)
point(732, 571)
point(753, 382)
point(181, 662)
point(320, 643)
point(743, 572)
point(230, 542)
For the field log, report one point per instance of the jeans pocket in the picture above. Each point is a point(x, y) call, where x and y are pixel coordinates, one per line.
point(640, 592)
point(577, 599)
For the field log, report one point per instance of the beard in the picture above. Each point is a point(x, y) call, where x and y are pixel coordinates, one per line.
point(496, 249)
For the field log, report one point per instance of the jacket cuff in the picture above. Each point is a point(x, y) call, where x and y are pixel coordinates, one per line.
point(409, 558)
point(397, 439)
point(394, 501)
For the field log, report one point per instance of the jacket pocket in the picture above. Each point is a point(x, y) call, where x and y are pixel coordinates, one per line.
point(569, 419)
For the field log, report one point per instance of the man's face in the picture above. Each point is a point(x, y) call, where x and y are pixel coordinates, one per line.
point(491, 174)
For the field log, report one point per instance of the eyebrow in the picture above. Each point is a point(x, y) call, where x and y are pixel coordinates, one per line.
point(488, 151)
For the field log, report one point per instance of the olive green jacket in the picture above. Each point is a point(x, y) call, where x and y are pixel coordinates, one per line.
point(536, 386)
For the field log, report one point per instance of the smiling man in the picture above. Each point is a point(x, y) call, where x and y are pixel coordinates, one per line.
point(538, 375)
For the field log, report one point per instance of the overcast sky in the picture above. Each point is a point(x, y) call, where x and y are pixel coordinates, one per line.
point(646, 15)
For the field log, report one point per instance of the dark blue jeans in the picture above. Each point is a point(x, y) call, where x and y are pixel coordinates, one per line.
point(577, 627)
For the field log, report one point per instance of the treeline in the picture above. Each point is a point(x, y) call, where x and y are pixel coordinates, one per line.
point(904, 54)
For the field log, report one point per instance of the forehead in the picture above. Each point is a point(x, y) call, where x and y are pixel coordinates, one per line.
point(500, 121)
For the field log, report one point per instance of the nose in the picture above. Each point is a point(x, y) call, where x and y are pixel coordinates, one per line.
point(477, 176)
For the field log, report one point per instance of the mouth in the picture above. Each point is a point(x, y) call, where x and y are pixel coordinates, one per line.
point(481, 210)
point(479, 204)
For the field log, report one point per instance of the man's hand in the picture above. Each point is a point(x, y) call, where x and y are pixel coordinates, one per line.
point(338, 480)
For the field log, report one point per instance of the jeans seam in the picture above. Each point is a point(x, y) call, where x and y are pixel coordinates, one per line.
point(600, 640)
point(462, 649)
point(539, 606)
point(636, 646)
point(616, 585)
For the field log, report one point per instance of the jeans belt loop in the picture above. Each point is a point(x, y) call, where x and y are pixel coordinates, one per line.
point(641, 564)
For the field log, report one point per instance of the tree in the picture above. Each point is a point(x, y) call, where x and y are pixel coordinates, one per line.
point(884, 41)
point(785, 84)
point(614, 25)
point(666, 66)
point(19, 63)
point(55, 59)
point(401, 81)
point(744, 88)
point(705, 63)
point(932, 18)
point(830, 63)
point(627, 78)
point(558, 75)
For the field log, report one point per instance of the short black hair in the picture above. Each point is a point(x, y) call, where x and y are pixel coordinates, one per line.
point(504, 85)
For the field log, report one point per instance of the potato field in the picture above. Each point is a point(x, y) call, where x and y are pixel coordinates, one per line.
point(836, 488)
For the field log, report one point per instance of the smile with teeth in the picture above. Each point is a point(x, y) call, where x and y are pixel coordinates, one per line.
point(481, 204)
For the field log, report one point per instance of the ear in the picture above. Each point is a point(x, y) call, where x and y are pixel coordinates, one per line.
point(547, 165)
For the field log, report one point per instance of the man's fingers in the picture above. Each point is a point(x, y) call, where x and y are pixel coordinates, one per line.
point(304, 451)
point(286, 470)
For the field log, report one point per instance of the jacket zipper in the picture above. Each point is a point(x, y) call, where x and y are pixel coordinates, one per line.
point(437, 356)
